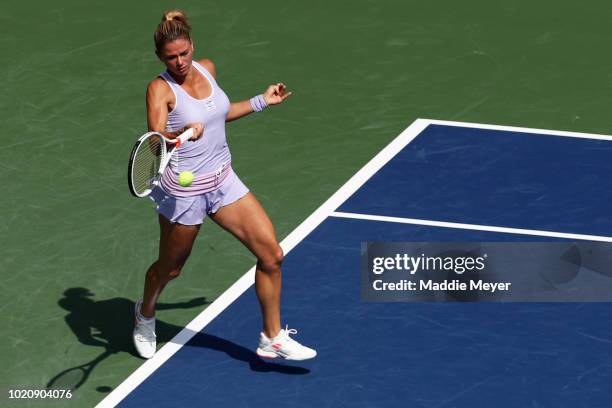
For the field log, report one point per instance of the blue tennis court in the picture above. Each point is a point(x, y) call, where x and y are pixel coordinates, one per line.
point(438, 181)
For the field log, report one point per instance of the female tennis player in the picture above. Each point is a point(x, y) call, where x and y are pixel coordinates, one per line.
point(186, 96)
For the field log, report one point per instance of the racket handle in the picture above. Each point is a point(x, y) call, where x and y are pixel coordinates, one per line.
point(183, 137)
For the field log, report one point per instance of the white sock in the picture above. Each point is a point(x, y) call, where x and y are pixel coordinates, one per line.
point(145, 320)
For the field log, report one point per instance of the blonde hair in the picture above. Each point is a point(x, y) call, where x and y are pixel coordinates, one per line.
point(174, 25)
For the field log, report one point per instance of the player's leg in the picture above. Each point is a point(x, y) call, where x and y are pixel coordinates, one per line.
point(175, 244)
point(247, 220)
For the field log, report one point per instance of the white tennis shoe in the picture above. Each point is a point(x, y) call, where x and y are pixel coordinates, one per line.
point(144, 335)
point(283, 346)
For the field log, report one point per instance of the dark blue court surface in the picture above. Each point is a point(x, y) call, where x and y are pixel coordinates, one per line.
point(499, 178)
point(421, 354)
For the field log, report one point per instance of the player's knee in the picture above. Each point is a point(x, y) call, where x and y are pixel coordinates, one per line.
point(168, 271)
point(273, 260)
point(277, 257)
point(174, 272)
point(280, 256)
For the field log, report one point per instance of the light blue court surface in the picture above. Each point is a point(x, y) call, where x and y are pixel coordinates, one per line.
point(422, 354)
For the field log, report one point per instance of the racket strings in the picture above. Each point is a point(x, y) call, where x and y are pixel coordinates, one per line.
point(146, 163)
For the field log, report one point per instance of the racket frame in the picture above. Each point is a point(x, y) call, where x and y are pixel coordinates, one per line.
point(165, 157)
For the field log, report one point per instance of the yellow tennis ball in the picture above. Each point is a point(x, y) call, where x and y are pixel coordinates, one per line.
point(185, 178)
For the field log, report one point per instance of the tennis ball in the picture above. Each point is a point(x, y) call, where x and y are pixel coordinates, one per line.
point(185, 178)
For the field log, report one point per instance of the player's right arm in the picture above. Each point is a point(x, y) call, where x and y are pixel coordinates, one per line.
point(160, 99)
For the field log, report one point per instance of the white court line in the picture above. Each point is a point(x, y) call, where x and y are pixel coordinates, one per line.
point(297, 235)
point(474, 227)
point(543, 132)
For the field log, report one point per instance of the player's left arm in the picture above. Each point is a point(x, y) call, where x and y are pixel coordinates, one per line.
point(273, 95)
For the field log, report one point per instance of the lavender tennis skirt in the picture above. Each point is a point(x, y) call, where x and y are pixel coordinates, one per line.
point(193, 210)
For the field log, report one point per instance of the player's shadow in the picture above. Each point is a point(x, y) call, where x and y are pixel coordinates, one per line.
point(241, 353)
point(107, 324)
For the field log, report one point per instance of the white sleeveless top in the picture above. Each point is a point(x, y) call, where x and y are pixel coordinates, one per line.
point(209, 153)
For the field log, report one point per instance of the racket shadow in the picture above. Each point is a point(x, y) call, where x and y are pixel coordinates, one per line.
point(73, 378)
point(108, 325)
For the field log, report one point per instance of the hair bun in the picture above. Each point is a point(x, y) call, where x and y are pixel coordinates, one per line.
point(174, 25)
point(174, 15)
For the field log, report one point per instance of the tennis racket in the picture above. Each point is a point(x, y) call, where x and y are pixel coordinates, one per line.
point(150, 157)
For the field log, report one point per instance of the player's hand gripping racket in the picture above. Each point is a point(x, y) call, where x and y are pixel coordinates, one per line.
point(149, 159)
